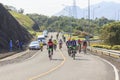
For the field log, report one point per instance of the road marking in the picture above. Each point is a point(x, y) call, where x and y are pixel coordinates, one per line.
point(14, 56)
point(115, 69)
point(51, 70)
point(36, 53)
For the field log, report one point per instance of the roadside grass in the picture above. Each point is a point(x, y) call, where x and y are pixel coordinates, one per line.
point(38, 33)
point(35, 33)
point(24, 20)
point(105, 46)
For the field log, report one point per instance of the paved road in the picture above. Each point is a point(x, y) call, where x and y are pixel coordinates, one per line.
point(62, 67)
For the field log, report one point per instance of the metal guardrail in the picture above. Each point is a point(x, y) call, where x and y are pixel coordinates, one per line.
point(111, 53)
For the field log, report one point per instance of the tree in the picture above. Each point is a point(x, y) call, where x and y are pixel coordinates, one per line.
point(111, 33)
point(21, 11)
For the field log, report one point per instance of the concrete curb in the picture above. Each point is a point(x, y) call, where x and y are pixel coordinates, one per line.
point(111, 53)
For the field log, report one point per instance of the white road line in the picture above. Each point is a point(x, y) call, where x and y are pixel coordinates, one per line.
point(36, 53)
point(14, 56)
point(115, 69)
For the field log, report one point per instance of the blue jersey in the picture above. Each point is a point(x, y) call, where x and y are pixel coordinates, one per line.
point(74, 43)
point(68, 43)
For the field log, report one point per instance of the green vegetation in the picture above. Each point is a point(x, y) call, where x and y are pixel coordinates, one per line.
point(110, 36)
point(107, 30)
point(69, 24)
point(110, 33)
point(115, 47)
point(24, 20)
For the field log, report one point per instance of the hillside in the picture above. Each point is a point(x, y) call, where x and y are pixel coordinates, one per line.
point(25, 21)
point(10, 29)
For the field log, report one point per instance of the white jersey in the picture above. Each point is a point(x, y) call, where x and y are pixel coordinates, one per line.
point(60, 41)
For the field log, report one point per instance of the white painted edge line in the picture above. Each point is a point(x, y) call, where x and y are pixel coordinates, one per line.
point(32, 56)
point(14, 56)
point(115, 69)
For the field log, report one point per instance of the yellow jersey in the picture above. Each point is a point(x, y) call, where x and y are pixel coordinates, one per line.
point(41, 43)
point(55, 42)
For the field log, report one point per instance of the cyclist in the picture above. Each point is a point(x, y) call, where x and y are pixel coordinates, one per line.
point(79, 45)
point(50, 48)
point(41, 45)
point(57, 35)
point(74, 47)
point(64, 38)
point(73, 43)
point(60, 43)
point(55, 44)
point(68, 44)
point(84, 46)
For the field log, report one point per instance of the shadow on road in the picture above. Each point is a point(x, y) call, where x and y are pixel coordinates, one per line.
point(81, 59)
point(78, 56)
point(57, 59)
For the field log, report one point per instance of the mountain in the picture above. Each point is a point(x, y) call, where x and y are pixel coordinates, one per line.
point(110, 10)
point(10, 29)
point(68, 11)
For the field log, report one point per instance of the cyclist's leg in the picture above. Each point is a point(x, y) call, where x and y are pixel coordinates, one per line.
point(79, 48)
point(51, 50)
point(49, 53)
point(68, 51)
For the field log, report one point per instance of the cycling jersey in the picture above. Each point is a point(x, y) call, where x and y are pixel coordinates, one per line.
point(68, 43)
point(84, 44)
point(50, 44)
point(55, 42)
point(41, 43)
point(73, 43)
point(79, 41)
point(60, 42)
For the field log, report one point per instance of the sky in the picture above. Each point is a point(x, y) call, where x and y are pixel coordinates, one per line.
point(48, 7)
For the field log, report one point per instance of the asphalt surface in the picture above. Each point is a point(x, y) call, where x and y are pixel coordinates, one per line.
point(62, 67)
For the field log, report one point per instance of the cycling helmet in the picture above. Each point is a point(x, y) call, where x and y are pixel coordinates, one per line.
point(69, 39)
point(50, 40)
point(73, 39)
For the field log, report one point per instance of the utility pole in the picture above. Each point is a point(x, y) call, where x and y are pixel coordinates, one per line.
point(118, 14)
point(89, 21)
point(89, 12)
point(74, 9)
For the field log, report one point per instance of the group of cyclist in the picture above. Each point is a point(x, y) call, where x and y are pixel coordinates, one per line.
point(72, 45)
point(52, 45)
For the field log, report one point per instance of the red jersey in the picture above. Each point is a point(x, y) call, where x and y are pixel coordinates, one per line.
point(79, 41)
point(50, 43)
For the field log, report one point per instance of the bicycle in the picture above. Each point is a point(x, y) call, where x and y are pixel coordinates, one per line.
point(69, 50)
point(50, 53)
point(84, 49)
point(73, 52)
point(55, 46)
point(79, 48)
point(41, 48)
point(60, 45)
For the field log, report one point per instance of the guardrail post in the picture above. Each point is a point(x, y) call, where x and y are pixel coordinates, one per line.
point(109, 54)
point(102, 52)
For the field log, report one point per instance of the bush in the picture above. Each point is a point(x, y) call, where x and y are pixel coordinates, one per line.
point(116, 47)
point(102, 46)
point(111, 33)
